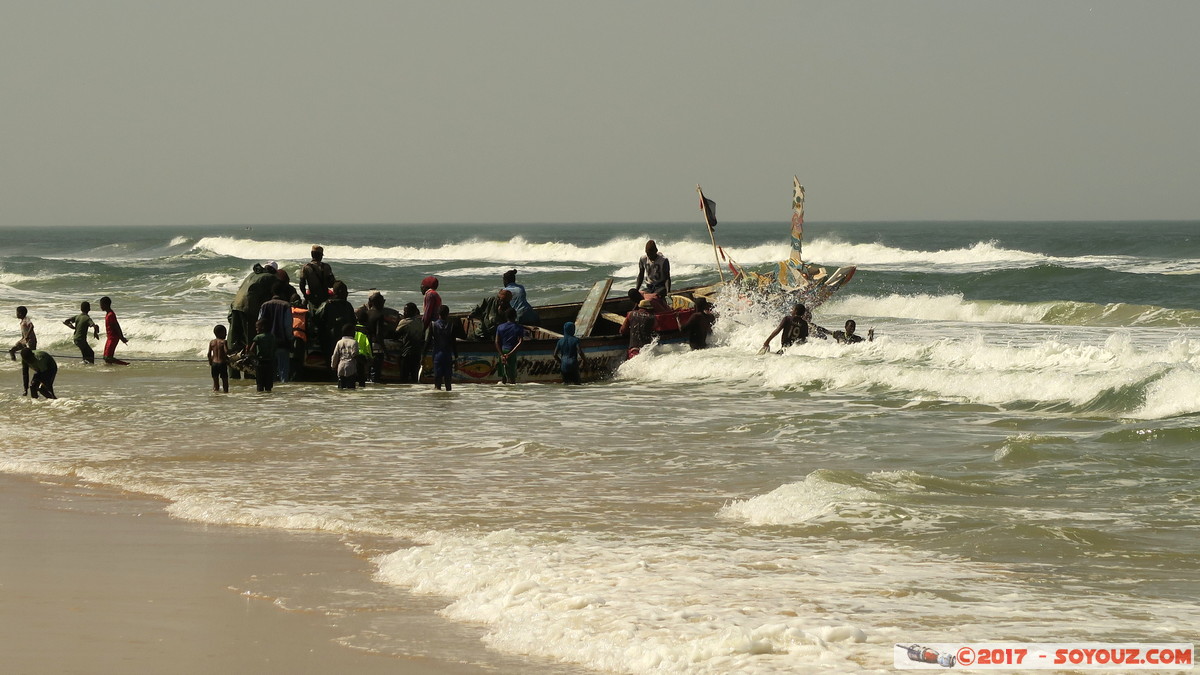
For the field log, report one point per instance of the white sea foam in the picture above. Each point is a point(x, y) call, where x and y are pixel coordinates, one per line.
point(681, 608)
point(498, 270)
point(1176, 393)
point(1045, 372)
point(219, 282)
point(803, 502)
point(953, 307)
point(621, 250)
point(937, 308)
point(7, 278)
point(706, 607)
point(880, 256)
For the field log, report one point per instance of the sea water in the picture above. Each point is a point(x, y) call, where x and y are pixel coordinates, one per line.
point(1013, 458)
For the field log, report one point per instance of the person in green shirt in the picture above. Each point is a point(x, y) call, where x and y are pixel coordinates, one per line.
point(80, 325)
point(44, 368)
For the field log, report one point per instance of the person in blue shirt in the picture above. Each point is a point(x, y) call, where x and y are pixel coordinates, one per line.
point(526, 314)
point(569, 351)
point(509, 336)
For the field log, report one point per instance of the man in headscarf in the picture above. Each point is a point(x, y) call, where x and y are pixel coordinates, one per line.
point(569, 352)
point(433, 301)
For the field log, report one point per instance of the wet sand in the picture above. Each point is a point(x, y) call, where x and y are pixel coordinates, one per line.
point(95, 580)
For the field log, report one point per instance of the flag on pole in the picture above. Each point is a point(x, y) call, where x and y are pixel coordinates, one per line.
point(709, 207)
point(795, 260)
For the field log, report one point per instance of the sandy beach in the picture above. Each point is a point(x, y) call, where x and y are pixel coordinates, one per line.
point(95, 580)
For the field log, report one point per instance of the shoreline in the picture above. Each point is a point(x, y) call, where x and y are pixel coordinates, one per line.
point(94, 579)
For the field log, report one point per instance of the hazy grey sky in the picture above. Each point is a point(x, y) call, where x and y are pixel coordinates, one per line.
point(253, 112)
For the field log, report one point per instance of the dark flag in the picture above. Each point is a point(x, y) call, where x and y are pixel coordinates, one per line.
point(709, 207)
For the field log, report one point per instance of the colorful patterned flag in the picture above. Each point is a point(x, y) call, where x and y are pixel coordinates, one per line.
point(797, 223)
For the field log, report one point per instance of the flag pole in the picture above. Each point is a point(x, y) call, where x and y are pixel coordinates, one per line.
point(711, 235)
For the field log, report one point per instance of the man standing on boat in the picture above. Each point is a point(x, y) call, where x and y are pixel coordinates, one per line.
point(316, 278)
point(655, 270)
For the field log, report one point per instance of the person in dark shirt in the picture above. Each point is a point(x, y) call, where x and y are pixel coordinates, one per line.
point(316, 278)
point(443, 339)
point(490, 314)
point(378, 329)
point(331, 318)
point(243, 311)
point(289, 291)
point(794, 328)
point(410, 332)
point(699, 325)
point(849, 337)
point(277, 312)
point(44, 368)
point(639, 326)
point(263, 346)
point(569, 352)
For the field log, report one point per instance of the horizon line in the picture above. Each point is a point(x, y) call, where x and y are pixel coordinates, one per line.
point(782, 223)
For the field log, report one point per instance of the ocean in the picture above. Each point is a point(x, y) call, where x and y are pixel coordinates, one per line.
point(1013, 458)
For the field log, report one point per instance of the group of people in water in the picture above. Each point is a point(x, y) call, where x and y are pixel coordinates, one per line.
point(796, 327)
point(272, 323)
point(38, 367)
point(266, 335)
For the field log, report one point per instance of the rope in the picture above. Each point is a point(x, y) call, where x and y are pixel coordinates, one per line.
point(155, 360)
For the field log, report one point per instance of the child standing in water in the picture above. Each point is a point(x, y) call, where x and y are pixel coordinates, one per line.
point(28, 340)
point(80, 324)
point(345, 358)
point(112, 332)
point(218, 359)
point(28, 337)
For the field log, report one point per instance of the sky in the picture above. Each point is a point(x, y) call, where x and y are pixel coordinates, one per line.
point(259, 112)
